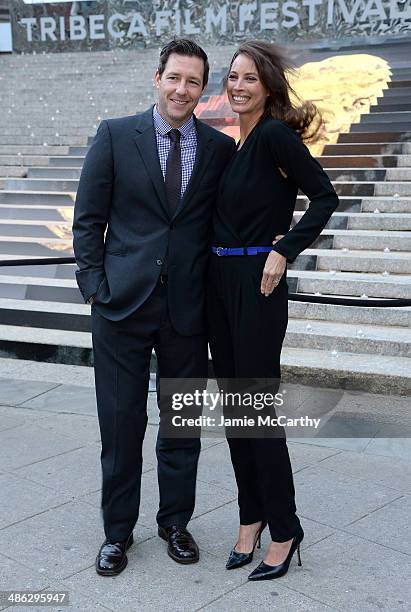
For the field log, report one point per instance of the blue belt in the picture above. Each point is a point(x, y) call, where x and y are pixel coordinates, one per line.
point(253, 250)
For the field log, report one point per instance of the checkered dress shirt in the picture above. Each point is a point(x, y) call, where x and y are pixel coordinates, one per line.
point(188, 145)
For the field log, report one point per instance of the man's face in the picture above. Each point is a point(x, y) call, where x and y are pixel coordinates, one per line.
point(179, 88)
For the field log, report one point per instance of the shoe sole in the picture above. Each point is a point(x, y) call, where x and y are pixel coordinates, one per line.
point(112, 572)
point(118, 570)
point(182, 561)
point(177, 559)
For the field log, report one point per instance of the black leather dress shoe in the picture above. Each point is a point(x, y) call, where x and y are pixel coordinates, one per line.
point(112, 558)
point(181, 544)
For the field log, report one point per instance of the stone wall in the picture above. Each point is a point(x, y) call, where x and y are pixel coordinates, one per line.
point(84, 25)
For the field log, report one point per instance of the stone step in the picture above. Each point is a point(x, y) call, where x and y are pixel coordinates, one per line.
point(382, 374)
point(63, 131)
point(65, 161)
point(13, 247)
point(58, 199)
point(56, 271)
point(383, 101)
point(386, 116)
point(13, 171)
point(35, 150)
point(398, 174)
point(353, 261)
point(36, 140)
point(378, 126)
point(404, 161)
point(355, 315)
point(334, 173)
point(400, 72)
point(48, 345)
point(383, 108)
point(40, 288)
point(26, 197)
point(368, 240)
point(349, 284)
point(364, 136)
point(363, 240)
point(348, 338)
point(381, 126)
point(301, 281)
point(39, 213)
point(75, 317)
point(311, 259)
point(48, 315)
point(35, 228)
point(399, 84)
point(362, 262)
point(386, 374)
point(387, 204)
point(40, 114)
point(394, 189)
point(78, 151)
point(346, 161)
point(394, 92)
point(54, 172)
point(360, 148)
point(356, 174)
point(364, 188)
point(374, 219)
point(365, 221)
point(39, 184)
point(24, 160)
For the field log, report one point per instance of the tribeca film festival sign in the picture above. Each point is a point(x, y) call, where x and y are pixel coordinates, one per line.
point(63, 25)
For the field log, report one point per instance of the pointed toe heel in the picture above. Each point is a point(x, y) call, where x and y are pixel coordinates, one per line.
point(269, 572)
point(237, 559)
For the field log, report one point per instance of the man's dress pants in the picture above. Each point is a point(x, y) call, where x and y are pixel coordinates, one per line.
point(122, 353)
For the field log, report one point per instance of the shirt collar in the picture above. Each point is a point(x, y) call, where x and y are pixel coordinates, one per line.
point(163, 127)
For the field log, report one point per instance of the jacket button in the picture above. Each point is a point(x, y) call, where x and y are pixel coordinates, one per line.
point(159, 262)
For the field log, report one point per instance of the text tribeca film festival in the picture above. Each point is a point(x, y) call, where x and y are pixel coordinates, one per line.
point(209, 19)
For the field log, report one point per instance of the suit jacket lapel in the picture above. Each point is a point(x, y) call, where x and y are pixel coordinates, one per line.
point(203, 156)
point(145, 140)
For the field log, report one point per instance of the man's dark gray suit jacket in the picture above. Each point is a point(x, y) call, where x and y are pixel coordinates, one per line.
point(121, 192)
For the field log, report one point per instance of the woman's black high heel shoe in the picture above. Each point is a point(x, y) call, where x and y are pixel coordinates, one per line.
point(268, 572)
point(238, 559)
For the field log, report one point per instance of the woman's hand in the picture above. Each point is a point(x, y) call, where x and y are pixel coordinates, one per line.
point(273, 270)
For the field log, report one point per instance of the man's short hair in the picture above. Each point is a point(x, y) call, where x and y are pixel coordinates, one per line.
point(183, 46)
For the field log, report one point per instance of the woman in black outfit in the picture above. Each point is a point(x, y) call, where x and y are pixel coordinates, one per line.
point(248, 292)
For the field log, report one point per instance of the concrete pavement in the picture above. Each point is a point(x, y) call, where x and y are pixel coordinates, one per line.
point(353, 497)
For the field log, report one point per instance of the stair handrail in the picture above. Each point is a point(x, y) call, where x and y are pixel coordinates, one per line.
point(294, 297)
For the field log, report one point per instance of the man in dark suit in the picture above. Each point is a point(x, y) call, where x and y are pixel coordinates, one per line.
point(149, 182)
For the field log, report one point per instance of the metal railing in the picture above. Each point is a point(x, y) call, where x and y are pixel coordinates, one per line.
point(294, 297)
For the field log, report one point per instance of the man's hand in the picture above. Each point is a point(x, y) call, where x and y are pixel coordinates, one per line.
point(273, 270)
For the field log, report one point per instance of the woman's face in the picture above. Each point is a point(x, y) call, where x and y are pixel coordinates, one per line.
point(245, 91)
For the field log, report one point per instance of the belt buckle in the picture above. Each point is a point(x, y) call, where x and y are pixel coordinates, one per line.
point(218, 251)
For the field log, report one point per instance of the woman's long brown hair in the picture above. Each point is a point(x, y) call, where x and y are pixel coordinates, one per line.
point(272, 64)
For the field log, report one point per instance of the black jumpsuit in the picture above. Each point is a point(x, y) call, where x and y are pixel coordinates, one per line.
point(246, 329)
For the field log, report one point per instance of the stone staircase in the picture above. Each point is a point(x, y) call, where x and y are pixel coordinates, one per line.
point(363, 252)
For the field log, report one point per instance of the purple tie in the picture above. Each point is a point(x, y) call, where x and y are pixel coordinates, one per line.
point(173, 172)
